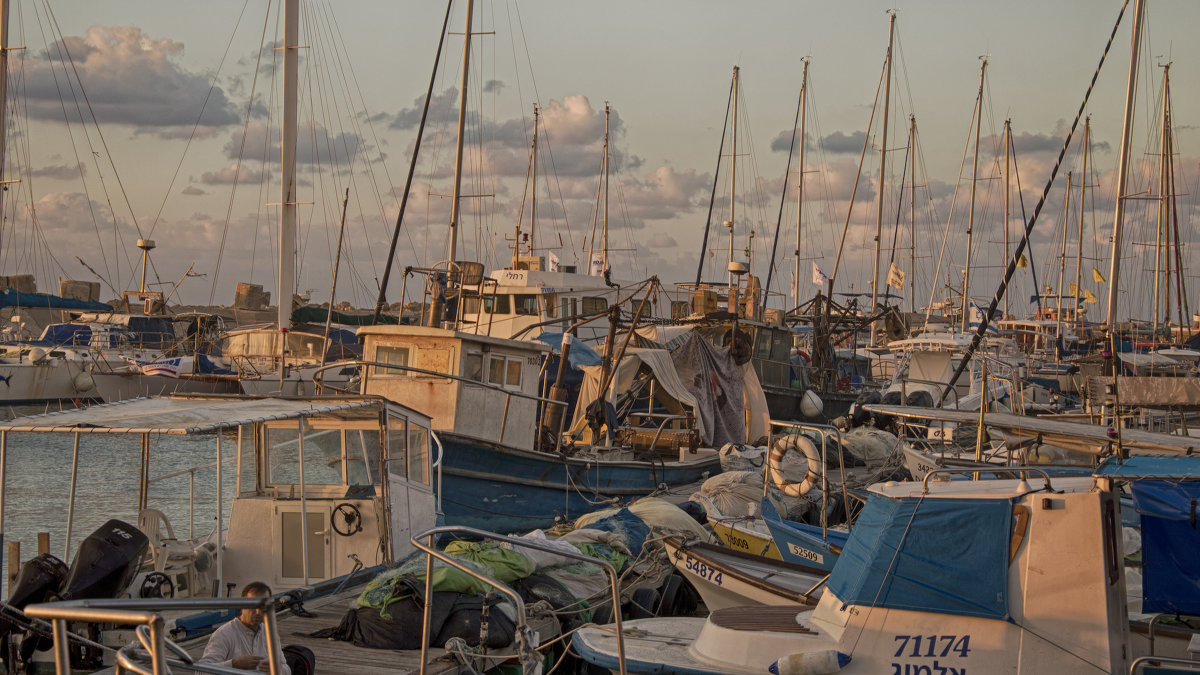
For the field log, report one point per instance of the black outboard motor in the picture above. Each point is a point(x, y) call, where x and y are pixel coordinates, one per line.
point(106, 562)
point(39, 577)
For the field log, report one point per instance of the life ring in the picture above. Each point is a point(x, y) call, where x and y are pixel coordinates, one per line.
point(804, 355)
point(797, 443)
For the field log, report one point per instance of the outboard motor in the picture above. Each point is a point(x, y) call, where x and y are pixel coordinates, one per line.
point(39, 577)
point(106, 562)
point(920, 399)
point(858, 416)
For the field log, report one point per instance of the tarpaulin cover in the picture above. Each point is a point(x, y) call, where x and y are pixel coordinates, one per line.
point(310, 314)
point(948, 556)
point(580, 355)
point(715, 381)
point(1170, 539)
point(73, 334)
point(12, 298)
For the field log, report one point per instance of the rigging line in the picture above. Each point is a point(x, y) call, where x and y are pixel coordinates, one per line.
point(96, 123)
point(74, 149)
point(783, 200)
point(237, 167)
point(1025, 240)
point(196, 126)
point(1012, 264)
point(899, 210)
point(712, 199)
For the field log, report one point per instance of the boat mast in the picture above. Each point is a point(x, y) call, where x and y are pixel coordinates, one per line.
point(887, 90)
point(1087, 129)
point(533, 187)
point(966, 298)
point(3, 94)
point(1062, 262)
point(732, 195)
point(1007, 189)
point(458, 149)
point(1114, 269)
point(1162, 207)
point(912, 213)
point(604, 229)
point(800, 181)
point(287, 222)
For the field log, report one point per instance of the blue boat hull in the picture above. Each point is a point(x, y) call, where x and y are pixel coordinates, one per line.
point(803, 544)
point(502, 489)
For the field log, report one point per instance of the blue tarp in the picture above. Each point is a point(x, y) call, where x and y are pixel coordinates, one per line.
point(1146, 466)
point(948, 556)
point(67, 334)
point(580, 355)
point(11, 298)
point(1170, 540)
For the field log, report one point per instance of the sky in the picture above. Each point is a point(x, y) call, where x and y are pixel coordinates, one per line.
point(134, 119)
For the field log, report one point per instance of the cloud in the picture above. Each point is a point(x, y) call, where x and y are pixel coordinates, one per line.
point(838, 142)
point(192, 191)
point(227, 175)
point(60, 172)
point(131, 79)
point(314, 144)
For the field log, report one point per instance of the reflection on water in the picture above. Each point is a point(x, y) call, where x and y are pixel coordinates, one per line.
point(37, 489)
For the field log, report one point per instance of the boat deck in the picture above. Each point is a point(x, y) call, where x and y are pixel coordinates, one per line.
point(335, 657)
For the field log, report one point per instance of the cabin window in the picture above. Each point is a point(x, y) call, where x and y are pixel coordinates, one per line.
point(679, 309)
point(322, 455)
point(552, 306)
point(397, 356)
point(362, 457)
point(566, 314)
point(496, 370)
point(496, 304)
point(526, 305)
point(418, 454)
point(594, 305)
point(513, 378)
point(471, 305)
point(504, 371)
point(473, 366)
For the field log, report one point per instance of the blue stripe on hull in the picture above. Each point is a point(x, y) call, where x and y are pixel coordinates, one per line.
point(506, 490)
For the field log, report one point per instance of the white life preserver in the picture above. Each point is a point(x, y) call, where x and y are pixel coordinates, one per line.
point(801, 444)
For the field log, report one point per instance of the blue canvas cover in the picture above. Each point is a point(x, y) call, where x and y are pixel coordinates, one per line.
point(12, 298)
point(1170, 540)
point(942, 555)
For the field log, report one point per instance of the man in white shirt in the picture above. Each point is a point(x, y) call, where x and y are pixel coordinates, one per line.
point(242, 643)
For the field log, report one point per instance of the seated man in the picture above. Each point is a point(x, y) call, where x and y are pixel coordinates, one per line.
point(242, 643)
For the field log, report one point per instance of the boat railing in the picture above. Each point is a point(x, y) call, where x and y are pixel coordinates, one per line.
point(1141, 663)
point(191, 472)
point(1024, 472)
point(825, 431)
point(152, 642)
point(529, 657)
point(365, 367)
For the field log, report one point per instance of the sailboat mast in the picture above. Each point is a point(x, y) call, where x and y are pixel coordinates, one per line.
point(1114, 269)
point(887, 90)
point(800, 182)
point(458, 149)
point(1162, 207)
point(1007, 189)
point(971, 212)
point(912, 213)
point(1087, 132)
point(3, 93)
point(1062, 260)
point(533, 187)
point(287, 222)
point(733, 193)
point(604, 231)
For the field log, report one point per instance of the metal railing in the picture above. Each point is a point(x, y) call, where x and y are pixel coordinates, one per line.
point(824, 431)
point(1022, 470)
point(529, 658)
point(1141, 663)
point(151, 634)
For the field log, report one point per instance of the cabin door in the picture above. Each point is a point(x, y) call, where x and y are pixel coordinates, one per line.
point(290, 542)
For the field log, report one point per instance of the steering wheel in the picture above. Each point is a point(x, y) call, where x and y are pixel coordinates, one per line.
point(351, 519)
point(157, 585)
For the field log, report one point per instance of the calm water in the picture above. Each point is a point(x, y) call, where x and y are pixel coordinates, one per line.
point(37, 490)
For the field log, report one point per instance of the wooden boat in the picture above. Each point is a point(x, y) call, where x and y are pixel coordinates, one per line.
point(729, 578)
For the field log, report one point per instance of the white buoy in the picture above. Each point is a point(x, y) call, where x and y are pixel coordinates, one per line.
point(83, 382)
point(824, 662)
point(811, 405)
point(37, 355)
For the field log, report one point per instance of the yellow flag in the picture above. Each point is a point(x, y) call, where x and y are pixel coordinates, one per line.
point(1097, 277)
point(1074, 290)
point(1089, 296)
point(1022, 261)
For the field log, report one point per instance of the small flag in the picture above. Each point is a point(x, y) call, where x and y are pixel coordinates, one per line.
point(895, 277)
point(1097, 277)
point(1074, 290)
point(1088, 296)
point(975, 318)
point(819, 277)
point(1022, 261)
point(599, 265)
point(554, 262)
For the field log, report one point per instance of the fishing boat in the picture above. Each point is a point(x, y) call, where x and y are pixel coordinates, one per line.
point(730, 578)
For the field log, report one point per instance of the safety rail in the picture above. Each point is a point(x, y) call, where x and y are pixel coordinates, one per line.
point(988, 469)
point(824, 431)
point(528, 665)
point(151, 634)
point(1141, 663)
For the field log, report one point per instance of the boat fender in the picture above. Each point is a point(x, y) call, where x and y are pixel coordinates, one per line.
point(37, 355)
point(798, 443)
point(823, 662)
point(83, 382)
point(811, 405)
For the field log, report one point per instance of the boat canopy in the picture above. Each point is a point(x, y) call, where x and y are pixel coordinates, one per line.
point(943, 555)
point(1165, 493)
point(188, 414)
point(12, 298)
